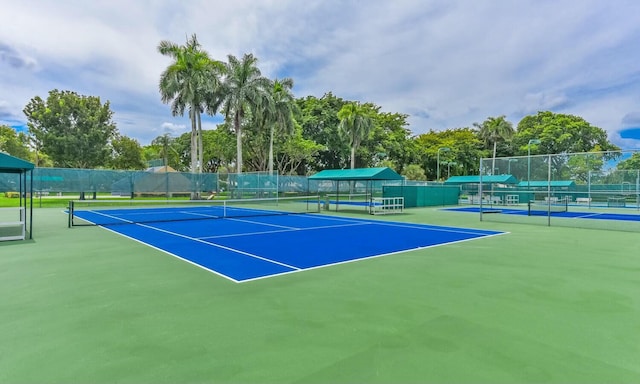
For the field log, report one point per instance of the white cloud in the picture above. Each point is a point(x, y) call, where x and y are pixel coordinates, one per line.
point(172, 128)
point(447, 63)
point(534, 102)
point(632, 119)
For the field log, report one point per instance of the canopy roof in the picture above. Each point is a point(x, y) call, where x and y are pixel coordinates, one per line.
point(383, 173)
point(545, 183)
point(10, 164)
point(499, 179)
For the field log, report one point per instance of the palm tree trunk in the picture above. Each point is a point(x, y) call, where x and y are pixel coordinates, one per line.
point(353, 156)
point(238, 129)
point(200, 156)
point(271, 152)
point(200, 145)
point(493, 161)
point(194, 147)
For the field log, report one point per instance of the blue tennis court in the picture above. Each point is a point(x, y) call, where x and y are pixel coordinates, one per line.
point(260, 245)
point(569, 214)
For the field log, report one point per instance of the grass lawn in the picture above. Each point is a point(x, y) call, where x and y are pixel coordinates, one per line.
point(540, 304)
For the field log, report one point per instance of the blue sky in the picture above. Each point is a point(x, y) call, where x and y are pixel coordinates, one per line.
point(447, 64)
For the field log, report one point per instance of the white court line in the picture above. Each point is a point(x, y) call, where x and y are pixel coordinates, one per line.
point(174, 255)
point(200, 214)
point(143, 211)
point(397, 224)
point(283, 230)
point(367, 258)
point(109, 216)
point(587, 215)
point(434, 228)
point(163, 251)
point(218, 246)
point(407, 225)
point(258, 222)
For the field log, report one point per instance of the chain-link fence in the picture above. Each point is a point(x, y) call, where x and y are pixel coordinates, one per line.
point(593, 190)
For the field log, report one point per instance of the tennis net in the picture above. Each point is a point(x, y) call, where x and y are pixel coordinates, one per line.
point(537, 208)
point(114, 212)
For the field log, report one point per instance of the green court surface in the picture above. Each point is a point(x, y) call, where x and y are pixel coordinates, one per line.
point(537, 305)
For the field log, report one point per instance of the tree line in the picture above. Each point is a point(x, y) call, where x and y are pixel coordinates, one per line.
point(266, 128)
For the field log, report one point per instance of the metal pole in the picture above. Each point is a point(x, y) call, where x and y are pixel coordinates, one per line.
point(531, 141)
point(438, 166)
point(31, 207)
point(479, 190)
point(549, 193)
point(589, 189)
point(529, 166)
point(438, 160)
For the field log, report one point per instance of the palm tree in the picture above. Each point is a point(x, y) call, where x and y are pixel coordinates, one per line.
point(278, 112)
point(243, 91)
point(495, 129)
point(186, 84)
point(355, 125)
point(166, 147)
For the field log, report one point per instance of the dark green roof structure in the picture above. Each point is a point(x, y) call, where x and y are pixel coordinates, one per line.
point(545, 184)
point(383, 173)
point(366, 176)
point(494, 179)
point(11, 164)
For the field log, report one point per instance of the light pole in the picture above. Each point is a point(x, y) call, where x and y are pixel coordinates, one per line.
point(532, 141)
point(510, 160)
point(445, 149)
point(449, 164)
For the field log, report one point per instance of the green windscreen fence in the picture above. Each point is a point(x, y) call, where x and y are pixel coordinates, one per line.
point(423, 195)
point(87, 182)
point(68, 181)
point(250, 184)
point(158, 182)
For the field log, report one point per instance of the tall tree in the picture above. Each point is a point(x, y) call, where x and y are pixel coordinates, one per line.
point(243, 91)
point(296, 151)
point(127, 153)
point(282, 107)
point(632, 163)
point(580, 167)
point(166, 148)
point(388, 141)
point(319, 121)
point(14, 143)
point(466, 150)
point(219, 147)
point(494, 130)
point(560, 134)
point(73, 130)
point(414, 172)
point(187, 83)
point(355, 125)
point(274, 117)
